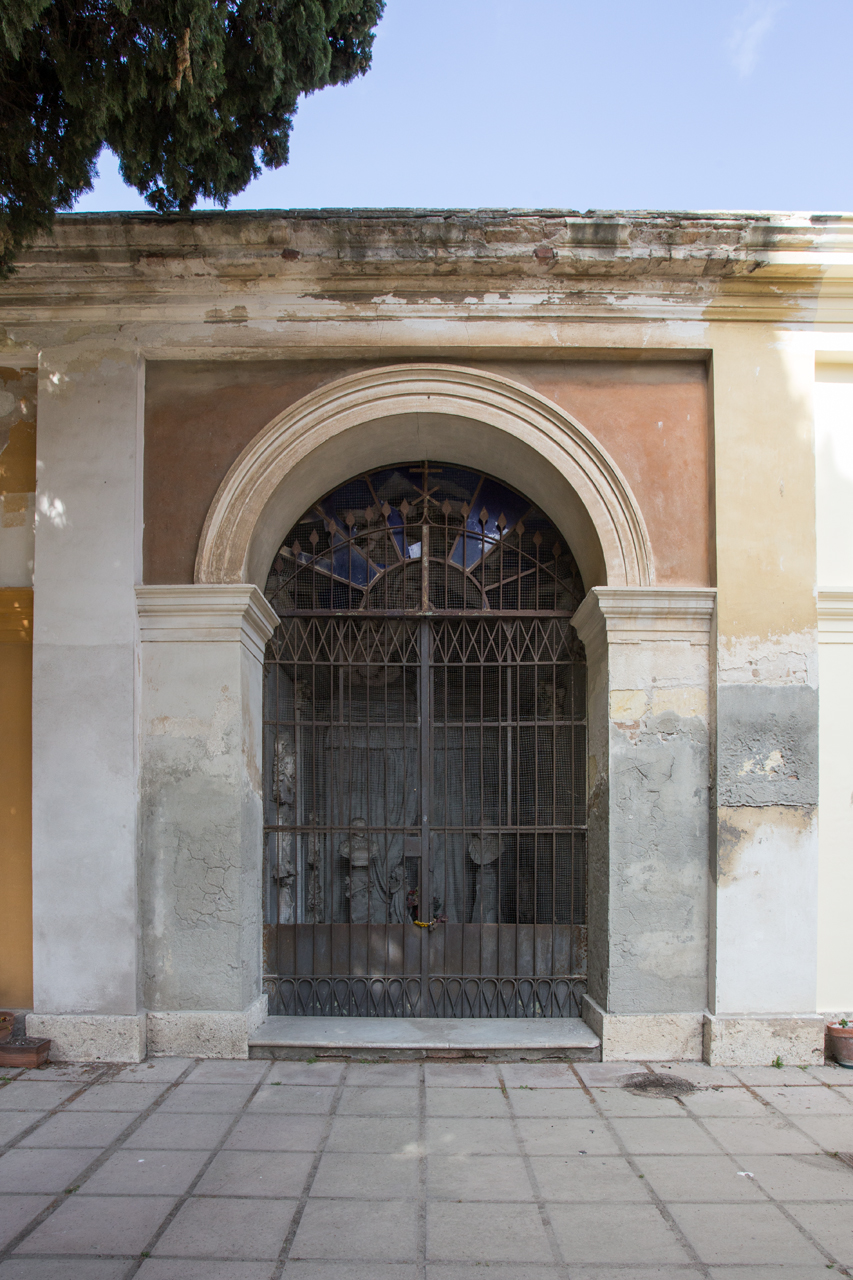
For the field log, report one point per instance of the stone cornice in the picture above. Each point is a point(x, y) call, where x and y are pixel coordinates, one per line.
point(632, 615)
point(196, 614)
point(231, 269)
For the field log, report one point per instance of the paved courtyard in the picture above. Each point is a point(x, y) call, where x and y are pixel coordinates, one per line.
point(180, 1170)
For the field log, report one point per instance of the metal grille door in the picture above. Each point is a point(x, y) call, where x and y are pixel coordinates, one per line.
point(424, 773)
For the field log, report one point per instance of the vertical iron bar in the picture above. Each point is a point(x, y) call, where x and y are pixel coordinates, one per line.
point(424, 746)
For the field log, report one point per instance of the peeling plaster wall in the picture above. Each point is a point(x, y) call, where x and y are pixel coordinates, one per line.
point(834, 488)
point(765, 905)
point(649, 804)
point(767, 744)
point(658, 833)
point(202, 824)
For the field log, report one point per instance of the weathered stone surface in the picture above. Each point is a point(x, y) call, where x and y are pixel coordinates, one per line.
point(656, 1037)
point(742, 1041)
point(201, 1033)
point(767, 750)
point(77, 1037)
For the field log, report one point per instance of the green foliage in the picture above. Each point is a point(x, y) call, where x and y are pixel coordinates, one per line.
point(193, 96)
point(777, 1062)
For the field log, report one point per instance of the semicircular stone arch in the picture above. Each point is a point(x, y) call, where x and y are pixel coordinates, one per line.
point(465, 416)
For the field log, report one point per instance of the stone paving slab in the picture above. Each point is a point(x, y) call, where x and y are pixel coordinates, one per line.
point(258, 1170)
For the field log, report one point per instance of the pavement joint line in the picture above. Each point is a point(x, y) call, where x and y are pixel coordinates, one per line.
point(545, 1218)
point(635, 1169)
point(284, 1252)
point(60, 1106)
point(837, 1265)
point(184, 1197)
point(422, 1174)
point(96, 1163)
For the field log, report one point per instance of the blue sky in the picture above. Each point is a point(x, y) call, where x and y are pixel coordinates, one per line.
point(668, 104)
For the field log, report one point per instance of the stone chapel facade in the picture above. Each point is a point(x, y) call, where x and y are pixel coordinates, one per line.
point(428, 614)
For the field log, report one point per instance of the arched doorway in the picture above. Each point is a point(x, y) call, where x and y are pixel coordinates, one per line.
point(425, 755)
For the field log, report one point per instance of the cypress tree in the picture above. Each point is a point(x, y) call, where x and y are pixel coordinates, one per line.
point(193, 96)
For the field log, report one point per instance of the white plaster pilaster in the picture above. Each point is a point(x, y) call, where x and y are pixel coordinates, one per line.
point(648, 651)
point(835, 859)
point(85, 793)
point(202, 804)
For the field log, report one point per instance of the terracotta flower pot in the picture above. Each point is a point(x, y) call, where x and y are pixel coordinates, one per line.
point(841, 1043)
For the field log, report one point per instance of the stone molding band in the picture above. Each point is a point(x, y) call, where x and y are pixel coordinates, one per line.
point(835, 616)
point(196, 614)
point(631, 615)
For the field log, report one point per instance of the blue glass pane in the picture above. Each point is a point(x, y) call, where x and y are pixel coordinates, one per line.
point(396, 483)
point(397, 525)
point(480, 538)
point(452, 482)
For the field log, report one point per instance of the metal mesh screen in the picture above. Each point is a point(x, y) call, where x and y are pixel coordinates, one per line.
point(425, 774)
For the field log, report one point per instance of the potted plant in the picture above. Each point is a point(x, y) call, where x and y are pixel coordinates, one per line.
point(841, 1041)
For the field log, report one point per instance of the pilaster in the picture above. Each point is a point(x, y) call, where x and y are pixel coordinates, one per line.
point(648, 651)
point(202, 813)
point(85, 785)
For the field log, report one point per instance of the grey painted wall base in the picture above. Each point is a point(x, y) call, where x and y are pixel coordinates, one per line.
point(205, 1033)
point(651, 1037)
point(91, 1037)
point(755, 1040)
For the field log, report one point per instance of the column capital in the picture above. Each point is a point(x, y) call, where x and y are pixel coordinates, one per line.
point(203, 613)
point(629, 615)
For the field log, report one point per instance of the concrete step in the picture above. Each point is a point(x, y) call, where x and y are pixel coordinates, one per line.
point(484, 1039)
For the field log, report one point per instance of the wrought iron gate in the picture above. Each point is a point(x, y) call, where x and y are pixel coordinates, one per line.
point(425, 756)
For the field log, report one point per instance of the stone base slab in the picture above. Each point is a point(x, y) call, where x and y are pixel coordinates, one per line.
point(415, 1039)
point(651, 1037)
point(205, 1033)
point(757, 1040)
point(91, 1037)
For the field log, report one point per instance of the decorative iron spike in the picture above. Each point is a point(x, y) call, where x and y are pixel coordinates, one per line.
point(537, 539)
point(314, 538)
point(466, 510)
point(404, 508)
point(349, 519)
point(370, 514)
point(519, 528)
point(446, 507)
point(484, 516)
point(558, 550)
point(386, 509)
point(297, 550)
point(501, 521)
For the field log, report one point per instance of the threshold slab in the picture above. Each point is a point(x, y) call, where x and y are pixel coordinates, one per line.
point(496, 1039)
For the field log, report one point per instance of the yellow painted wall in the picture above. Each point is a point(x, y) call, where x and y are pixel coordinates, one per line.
point(16, 676)
point(17, 509)
point(764, 476)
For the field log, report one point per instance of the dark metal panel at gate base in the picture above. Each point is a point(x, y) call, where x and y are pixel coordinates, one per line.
point(425, 768)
